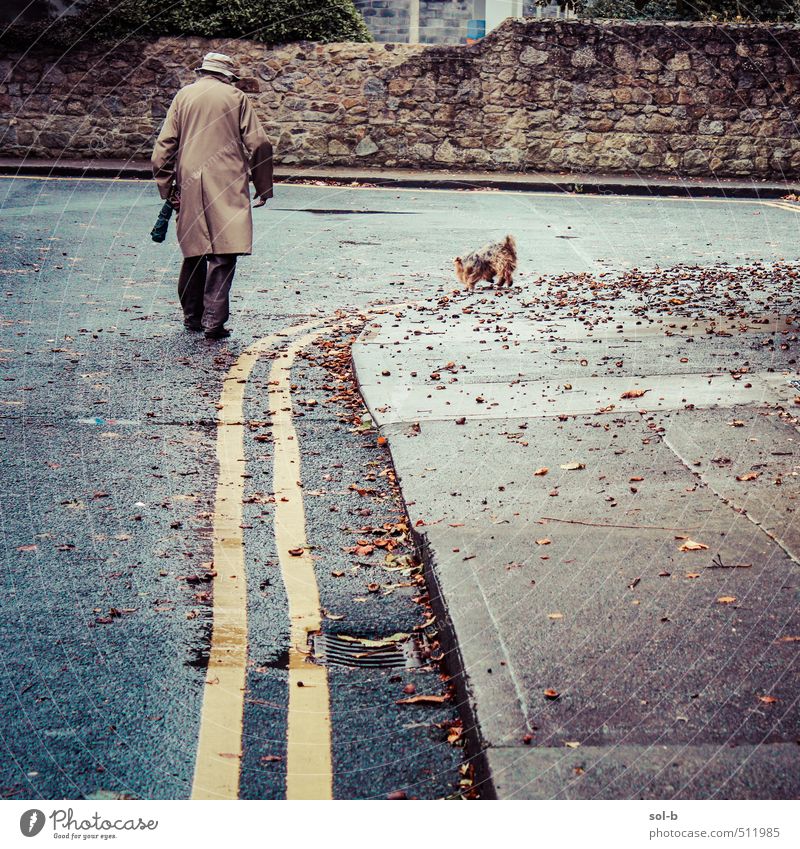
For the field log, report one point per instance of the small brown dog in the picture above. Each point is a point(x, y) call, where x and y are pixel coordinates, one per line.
point(498, 259)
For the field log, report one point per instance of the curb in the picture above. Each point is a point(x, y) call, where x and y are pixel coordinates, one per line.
point(454, 663)
point(476, 750)
point(387, 178)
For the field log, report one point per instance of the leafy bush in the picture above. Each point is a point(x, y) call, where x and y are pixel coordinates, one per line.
point(270, 21)
point(692, 10)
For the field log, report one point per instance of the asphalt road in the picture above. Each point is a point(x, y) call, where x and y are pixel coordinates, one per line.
point(108, 412)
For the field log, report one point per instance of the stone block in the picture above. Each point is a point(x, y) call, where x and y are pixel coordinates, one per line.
point(532, 56)
point(366, 147)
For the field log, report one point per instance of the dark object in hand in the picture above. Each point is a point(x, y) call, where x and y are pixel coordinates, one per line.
point(159, 231)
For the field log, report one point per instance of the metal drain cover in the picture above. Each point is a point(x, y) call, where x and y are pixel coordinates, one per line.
point(341, 650)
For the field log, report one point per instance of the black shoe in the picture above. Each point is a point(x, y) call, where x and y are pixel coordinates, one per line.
point(191, 325)
point(218, 333)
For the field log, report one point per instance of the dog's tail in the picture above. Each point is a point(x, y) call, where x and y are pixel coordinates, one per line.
point(510, 243)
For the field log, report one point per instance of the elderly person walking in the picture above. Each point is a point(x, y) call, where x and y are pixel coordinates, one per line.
point(210, 146)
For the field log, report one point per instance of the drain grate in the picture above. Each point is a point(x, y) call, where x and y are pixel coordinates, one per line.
point(341, 650)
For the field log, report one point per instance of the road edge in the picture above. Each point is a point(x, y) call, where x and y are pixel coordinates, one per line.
point(466, 704)
point(658, 185)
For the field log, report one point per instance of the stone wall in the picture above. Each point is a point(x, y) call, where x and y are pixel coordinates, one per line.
point(684, 99)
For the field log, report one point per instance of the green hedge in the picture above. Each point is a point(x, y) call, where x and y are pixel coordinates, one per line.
point(269, 21)
point(692, 10)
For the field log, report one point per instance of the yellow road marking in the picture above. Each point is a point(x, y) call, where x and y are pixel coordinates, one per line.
point(76, 177)
point(789, 207)
point(309, 770)
point(219, 746)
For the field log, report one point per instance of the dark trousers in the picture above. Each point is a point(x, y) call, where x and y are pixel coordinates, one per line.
point(204, 286)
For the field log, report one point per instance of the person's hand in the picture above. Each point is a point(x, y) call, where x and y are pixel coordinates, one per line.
point(262, 199)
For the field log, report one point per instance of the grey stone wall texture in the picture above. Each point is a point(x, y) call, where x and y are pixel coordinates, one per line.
point(444, 21)
point(685, 99)
point(387, 20)
point(440, 21)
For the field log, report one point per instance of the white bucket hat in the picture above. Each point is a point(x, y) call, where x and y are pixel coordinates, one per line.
point(219, 63)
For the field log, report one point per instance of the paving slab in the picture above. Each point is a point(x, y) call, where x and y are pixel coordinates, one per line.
point(576, 616)
point(651, 772)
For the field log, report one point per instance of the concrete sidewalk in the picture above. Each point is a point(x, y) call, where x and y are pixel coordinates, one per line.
point(619, 573)
point(611, 184)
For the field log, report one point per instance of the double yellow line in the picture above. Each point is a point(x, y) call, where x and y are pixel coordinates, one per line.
point(219, 750)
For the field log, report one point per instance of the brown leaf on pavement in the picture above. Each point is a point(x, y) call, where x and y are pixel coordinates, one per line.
point(397, 795)
point(748, 476)
point(634, 393)
point(540, 472)
point(424, 699)
point(726, 599)
point(691, 545)
point(552, 694)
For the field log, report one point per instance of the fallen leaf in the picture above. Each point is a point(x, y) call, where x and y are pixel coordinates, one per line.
point(691, 545)
point(555, 615)
point(454, 734)
point(423, 699)
point(572, 744)
point(692, 574)
point(386, 641)
point(539, 472)
point(634, 393)
point(31, 547)
point(768, 700)
point(727, 599)
point(296, 552)
point(543, 541)
point(748, 476)
point(572, 467)
point(552, 694)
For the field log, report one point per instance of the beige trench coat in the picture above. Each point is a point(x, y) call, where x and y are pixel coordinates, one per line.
point(211, 144)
